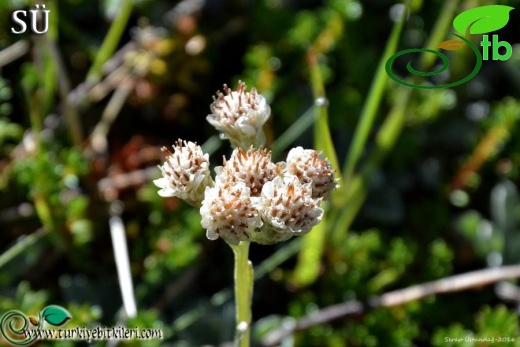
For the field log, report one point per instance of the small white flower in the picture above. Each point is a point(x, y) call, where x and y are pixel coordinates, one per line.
point(287, 209)
point(185, 173)
point(227, 212)
point(253, 167)
point(311, 167)
point(240, 115)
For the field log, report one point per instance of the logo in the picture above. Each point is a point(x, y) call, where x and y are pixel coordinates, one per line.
point(479, 20)
point(19, 329)
point(15, 325)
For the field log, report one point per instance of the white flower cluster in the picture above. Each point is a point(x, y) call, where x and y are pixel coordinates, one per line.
point(251, 198)
point(240, 115)
point(257, 200)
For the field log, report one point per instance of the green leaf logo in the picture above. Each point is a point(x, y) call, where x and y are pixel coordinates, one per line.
point(482, 20)
point(55, 315)
point(451, 45)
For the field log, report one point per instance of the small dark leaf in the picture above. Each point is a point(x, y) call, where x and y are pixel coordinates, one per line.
point(451, 45)
point(55, 315)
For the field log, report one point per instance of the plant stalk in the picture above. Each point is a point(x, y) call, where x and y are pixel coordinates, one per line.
point(111, 40)
point(243, 293)
point(372, 103)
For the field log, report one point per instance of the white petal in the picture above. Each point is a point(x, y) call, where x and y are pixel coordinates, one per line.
point(211, 235)
point(166, 192)
point(247, 129)
point(161, 182)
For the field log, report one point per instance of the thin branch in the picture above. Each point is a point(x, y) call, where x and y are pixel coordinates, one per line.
point(175, 288)
point(21, 245)
point(450, 284)
point(64, 84)
point(99, 135)
point(13, 52)
point(126, 180)
point(508, 292)
point(121, 257)
point(81, 94)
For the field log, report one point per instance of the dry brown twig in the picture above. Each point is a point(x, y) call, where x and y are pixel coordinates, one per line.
point(13, 52)
point(450, 284)
point(125, 180)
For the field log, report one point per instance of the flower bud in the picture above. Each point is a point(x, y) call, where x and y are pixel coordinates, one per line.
point(287, 209)
point(185, 173)
point(239, 116)
point(227, 212)
point(311, 167)
point(253, 167)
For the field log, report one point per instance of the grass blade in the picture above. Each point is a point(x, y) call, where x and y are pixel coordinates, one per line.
point(375, 95)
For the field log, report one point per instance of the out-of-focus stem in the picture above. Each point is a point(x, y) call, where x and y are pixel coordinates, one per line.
point(111, 40)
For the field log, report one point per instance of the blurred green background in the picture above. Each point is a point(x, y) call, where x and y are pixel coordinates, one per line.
point(85, 108)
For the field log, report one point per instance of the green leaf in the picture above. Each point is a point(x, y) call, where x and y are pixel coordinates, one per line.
point(55, 315)
point(309, 259)
point(372, 104)
point(482, 20)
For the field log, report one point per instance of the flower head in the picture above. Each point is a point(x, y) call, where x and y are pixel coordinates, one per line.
point(227, 212)
point(311, 167)
point(240, 115)
point(185, 172)
point(253, 167)
point(287, 209)
point(251, 198)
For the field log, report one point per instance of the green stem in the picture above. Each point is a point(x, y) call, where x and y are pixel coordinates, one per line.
point(60, 75)
point(281, 255)
point(442, 25)
point(21, 246)
point(322, 137)
point(356, 192)
point(243, 293)
point(308, 268)
point(372, 103)
point(388, 134)
point(111, 40)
